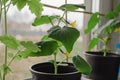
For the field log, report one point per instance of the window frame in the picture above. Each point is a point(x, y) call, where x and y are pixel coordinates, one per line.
point(88, 4)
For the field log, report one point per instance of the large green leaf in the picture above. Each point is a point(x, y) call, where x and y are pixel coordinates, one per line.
point(92, 22)
point(93, 43)
point(10, 41)
point(71, 6)
point(35, 7)
point(81, 65)
point(66, 35)
point(21, 3)
point(30, 46)
point(47, 48)
point(43, 20)
point(44, 38)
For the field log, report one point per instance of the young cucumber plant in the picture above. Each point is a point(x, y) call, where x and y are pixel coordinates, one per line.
point(60, 36)
point(19, 47)
point(103, 33)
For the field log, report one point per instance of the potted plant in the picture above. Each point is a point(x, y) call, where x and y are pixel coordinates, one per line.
point(13, 47)
point(104, 62)
point(59, 39)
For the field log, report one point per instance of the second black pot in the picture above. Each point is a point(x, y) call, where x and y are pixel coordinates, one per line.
point(103, 68)
point(45, 71)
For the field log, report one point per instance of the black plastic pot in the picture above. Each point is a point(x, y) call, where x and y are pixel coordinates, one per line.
point(104, 68)
point(45, 71)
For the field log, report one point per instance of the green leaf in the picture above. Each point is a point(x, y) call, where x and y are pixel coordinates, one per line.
point(30, 46)
point(20, 4)
point(92, 22)
point(10, 42)
point(18, 57)
point(43, 20)
point(116, 23)
point(47, 48)
point(14, 2)
point(111, 15)
point(71, 6)
point(66, 35)
point(93, 43)
point(103, 27)
point(108, 30)
point(36, 7)
point(24, 54)
point(4, 1)
point(117, 8)
point(81, 65)
point(44, 38)
point(114, 13)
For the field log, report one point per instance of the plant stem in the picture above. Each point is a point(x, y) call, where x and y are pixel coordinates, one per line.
point(61, 51)
point(51, 21)
point(105, 47)
point(55, 64)
point(6, 50)
point(0, 10)
point(0, 22)
point(54, 7)
point(61, 18)
point(5, 20)
point(8, 6)
point(104, 53)
point(13, 58)
point(66, 16)
point(0, 77)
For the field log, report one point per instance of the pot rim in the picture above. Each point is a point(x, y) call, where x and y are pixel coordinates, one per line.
point(97, 54)
point(70, 73)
